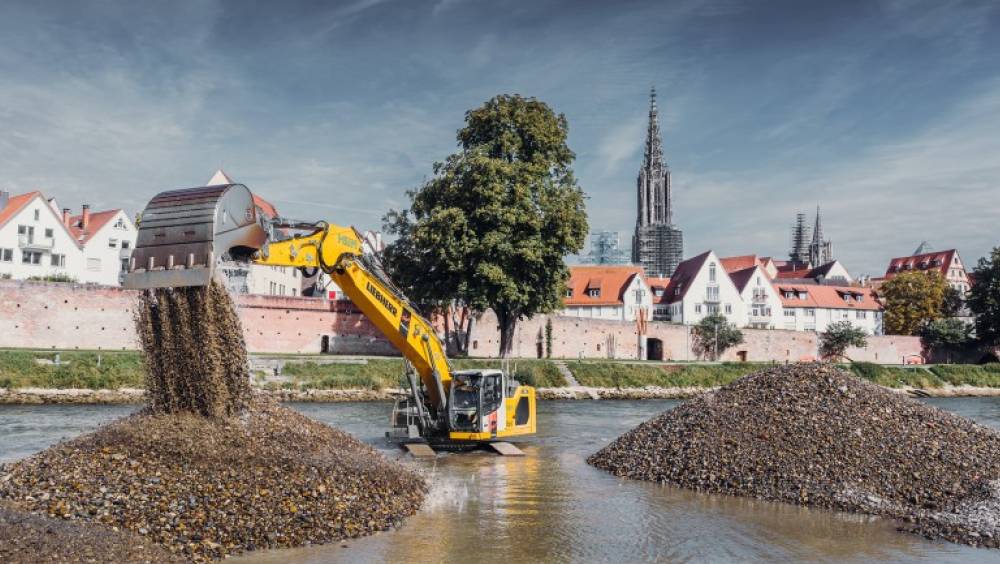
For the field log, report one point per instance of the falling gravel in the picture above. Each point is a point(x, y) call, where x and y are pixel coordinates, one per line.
point(814, 435)
point(207, 469)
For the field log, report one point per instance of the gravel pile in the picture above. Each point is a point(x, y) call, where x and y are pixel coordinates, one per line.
point(815, 435)
point(29, 538)
point(207, 469)
point(209, 487)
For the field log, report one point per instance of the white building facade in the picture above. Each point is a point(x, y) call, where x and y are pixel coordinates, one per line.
point(34, 241)
point(611, 292)
point(816, 307)
point(107, 239)
point(699, 287)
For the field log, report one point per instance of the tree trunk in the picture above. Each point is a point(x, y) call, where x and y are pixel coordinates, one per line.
point(507, 321)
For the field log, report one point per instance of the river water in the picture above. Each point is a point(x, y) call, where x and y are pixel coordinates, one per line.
point(549, 506)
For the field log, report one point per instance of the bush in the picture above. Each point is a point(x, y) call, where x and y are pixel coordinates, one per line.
point(896, 376)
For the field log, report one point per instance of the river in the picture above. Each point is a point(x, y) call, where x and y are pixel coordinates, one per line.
point(549, 506)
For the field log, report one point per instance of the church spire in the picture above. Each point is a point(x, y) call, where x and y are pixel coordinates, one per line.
point(817, 230)
point(654, 144)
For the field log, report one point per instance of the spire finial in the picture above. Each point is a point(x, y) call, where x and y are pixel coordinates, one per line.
point(652, 98)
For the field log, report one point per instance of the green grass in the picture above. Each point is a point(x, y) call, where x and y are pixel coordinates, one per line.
point(19, 369)
point(374, 374)
point(984, 375)
point(896, 376)
point(615, 374)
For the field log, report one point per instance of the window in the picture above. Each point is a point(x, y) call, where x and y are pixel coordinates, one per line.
point(48, 233)
point(697, 308)
point(713, 308)
point(126, 244)
point(789, 313)
point(125, 265)
point(37, 217)
point(802, 295)
point(113, 243)
point(31, 257)
point(7, 255)
point(712, 293)
point(729, 308)
point(120, 224)
point(94, 264)
point(294, 292)
point(59, 260)
point(861, 315)
point(810, 312)
point(569, 292)
point(594, 292)
point(711, 272)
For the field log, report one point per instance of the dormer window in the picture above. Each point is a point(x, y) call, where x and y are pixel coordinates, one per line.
point(711, 272)
point(802, 295)
point(658, 292)
point(594, 292)
point(569, 292)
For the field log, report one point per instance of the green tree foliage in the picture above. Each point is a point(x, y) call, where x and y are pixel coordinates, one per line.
point(947, 335)
point(713, 335)
point(833, 342)
point(953, 302)
point(912, 300)
point(492, 227)
point(984, 299)
point(548, 338)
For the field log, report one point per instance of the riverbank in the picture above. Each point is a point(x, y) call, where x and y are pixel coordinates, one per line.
point(127, 396)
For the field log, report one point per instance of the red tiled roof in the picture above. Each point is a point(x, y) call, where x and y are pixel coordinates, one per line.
point(610, 280)
point(655, 283)
point(680, 282)
point(732, 264)
point(938, 260)
point(828, 297)
point(97, 221)
point(265, 206)
point(16, 204)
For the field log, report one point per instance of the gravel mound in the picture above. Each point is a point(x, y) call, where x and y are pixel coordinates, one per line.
point(815, 435)
point(204, 487)
point(28, 538)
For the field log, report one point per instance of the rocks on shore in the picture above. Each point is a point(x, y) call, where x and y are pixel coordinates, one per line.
point(815, 435)
point(204, 487)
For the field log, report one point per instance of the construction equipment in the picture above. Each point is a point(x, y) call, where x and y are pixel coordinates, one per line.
point(185, 234)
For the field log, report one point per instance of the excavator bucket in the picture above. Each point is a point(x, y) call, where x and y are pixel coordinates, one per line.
point(184, 233)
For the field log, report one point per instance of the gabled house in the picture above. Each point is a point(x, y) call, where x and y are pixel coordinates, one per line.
point(614, 292)
point(107, 239)
point(34, 240)
point(658, 287)
point(813, 307)
point(947, 263)
point(700, 286)
point(750, 276)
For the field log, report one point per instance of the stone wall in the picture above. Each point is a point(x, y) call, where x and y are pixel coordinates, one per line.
point(66, 316)
point(591, 338)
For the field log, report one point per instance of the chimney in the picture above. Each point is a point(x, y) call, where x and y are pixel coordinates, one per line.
point(85, 220)
point(4, 198)
point(66, 217)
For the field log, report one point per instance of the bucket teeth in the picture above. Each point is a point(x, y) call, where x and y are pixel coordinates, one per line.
point(183, 234)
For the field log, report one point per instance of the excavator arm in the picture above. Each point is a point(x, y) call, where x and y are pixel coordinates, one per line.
point(337, 251)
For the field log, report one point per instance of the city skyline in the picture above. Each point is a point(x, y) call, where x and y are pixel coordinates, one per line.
point(881, 113)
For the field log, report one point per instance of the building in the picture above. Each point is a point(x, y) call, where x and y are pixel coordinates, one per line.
point(658, 245)
point(248, 278)
point(750, 276)
point(658, 289)
point(35, 241)
point(830, 273)
point(813, 307)
point(820, 250)
point(798, 256)
point(700, 287)
point(607, 292)
point(809, 248)
point(605, 248)
point(107, 239)
point(947, 263)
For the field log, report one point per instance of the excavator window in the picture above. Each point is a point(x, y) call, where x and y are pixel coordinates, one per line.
point(465, 402)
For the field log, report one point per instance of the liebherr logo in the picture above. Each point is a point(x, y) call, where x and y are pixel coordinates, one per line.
point(381, 298)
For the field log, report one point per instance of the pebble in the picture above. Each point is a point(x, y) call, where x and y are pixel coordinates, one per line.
point(812, 434)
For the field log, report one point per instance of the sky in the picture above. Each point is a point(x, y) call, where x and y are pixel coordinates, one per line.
point(886, 114)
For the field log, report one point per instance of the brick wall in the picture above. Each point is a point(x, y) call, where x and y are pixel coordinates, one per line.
point(66, 316)
point(593, 338)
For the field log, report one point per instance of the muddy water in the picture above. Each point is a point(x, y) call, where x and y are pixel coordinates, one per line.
point(551, 507)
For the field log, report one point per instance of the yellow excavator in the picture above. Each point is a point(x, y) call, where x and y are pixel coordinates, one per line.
point(184, 235)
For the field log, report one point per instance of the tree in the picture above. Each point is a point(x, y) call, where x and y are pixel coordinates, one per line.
point(912, 300)
point(713, 335)
point(948, 334)
point(953, 302)
point(492, 227)
point(548, 337)
point(833, 342)
point(984, 298)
